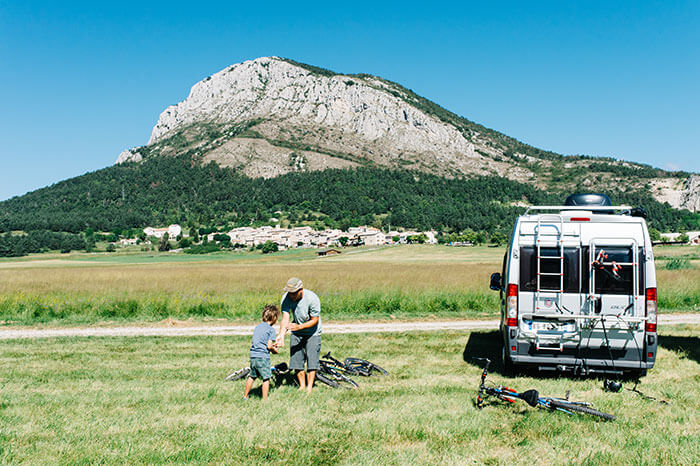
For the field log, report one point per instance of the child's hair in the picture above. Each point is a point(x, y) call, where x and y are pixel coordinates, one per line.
point(270, 313)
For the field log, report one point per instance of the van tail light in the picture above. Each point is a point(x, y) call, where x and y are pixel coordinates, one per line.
point(512, 305)
point(651, 310)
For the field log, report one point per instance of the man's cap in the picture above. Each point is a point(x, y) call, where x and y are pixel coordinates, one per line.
point(293, 284)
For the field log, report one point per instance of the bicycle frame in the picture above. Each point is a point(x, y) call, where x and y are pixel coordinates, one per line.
point(531, 397)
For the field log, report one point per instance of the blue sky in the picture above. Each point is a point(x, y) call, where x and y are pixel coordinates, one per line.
point(82, 81)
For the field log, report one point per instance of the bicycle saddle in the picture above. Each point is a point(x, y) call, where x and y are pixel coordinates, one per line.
point(530, 397)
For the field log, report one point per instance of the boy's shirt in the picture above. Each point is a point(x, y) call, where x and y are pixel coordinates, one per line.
point(261, 335)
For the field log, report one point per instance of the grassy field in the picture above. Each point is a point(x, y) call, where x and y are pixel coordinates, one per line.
point(153, 400)
point(366, 283)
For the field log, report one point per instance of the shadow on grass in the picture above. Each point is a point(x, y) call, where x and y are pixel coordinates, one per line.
point(484, 345)
point(489, 345)
point(690, 346)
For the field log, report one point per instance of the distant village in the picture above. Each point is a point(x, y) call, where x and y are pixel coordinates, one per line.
point(300, 237)
point(307, 237)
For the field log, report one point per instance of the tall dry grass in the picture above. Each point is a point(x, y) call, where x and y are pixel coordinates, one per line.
point(413, 281)
point(235, 291)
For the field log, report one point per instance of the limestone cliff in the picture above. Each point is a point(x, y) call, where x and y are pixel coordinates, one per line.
point(270, 116)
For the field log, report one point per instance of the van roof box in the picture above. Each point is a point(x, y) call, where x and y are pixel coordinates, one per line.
point(587, 200)
point(597, 203)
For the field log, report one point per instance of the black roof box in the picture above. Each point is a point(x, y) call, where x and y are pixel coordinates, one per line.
point(581, 200)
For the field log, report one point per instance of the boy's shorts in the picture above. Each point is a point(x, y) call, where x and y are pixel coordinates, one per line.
point(304, 349)
point(260, 367)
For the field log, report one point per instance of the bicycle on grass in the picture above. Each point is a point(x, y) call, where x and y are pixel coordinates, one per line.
point(281, 373)
point(533, 398)
point(353, 366)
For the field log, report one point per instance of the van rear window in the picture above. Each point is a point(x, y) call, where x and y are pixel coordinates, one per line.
point(528, 269)
point(610, 279)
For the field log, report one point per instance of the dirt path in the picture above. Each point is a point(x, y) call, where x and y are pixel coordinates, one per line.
point(218, 330)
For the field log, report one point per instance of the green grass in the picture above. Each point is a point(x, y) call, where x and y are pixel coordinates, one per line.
point(244, 306)
point(154, 400)
point(678, 263)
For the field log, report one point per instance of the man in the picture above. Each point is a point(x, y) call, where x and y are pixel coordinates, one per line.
point(305, 339)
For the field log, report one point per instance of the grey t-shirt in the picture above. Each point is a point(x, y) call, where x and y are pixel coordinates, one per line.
point(303, 310)
point(261, 335)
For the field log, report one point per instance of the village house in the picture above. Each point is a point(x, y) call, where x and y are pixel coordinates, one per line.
point(173, 231)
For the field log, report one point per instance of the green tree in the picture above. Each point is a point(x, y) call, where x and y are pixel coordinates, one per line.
point(164, 244)
point(683, 238)
point(269, 247)
point(343, 240)
point(654, 234)
point(499, 238)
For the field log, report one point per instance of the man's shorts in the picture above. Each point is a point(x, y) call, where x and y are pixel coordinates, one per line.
point(304, 349)
point(260, 367)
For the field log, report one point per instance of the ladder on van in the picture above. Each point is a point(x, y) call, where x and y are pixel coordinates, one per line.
point(556, 223)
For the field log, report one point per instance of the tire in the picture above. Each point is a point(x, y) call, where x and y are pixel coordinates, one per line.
point(346, 382)
point(332, 373)
point(364, 367)
point(508, 367)
point(581, 409)
point(324, 379)
point(379, 369)
point(239, 374)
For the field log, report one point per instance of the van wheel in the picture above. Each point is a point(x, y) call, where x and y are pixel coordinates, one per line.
point(637, 374)
point(508, 367)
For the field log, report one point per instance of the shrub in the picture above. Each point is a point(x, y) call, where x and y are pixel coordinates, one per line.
point(268, 247)
point(679, 263)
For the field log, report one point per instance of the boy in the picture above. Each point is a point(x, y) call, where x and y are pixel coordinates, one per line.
point(263, 343)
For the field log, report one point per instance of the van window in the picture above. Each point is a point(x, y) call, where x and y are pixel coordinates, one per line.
point(608, 281)
point(528, 269)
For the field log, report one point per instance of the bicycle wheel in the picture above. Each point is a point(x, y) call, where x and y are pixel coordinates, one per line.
point(324, 379)
point(346, 382)
point(379, 369)
point(581, 409)
point(337, 376)
point(364, 367)
point(339, 368)
point(239, 374)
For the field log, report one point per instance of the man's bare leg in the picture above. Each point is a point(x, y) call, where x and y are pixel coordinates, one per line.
point(265, 389)
point(248, 386)
point(301, 378)
point(310, 376)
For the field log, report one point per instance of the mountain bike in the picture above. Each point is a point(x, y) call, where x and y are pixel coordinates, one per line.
point(533, 398)
point(281, 373)
point(353, 366)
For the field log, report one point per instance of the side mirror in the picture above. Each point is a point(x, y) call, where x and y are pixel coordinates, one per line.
point(496, 282)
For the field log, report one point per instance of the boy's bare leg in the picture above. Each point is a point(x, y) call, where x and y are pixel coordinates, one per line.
point(265, 389)
point(310, 376)
point(248, 386)
point(301, 378)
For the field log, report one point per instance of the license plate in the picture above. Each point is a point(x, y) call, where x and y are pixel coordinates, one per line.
point(551, 326)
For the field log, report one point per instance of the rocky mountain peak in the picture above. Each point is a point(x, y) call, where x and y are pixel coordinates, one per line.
point(270, 116)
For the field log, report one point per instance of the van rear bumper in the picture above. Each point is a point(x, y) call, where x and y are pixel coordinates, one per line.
point(573, 363)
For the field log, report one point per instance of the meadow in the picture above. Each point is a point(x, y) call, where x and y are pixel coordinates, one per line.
point(153, 400)
point(401, 282)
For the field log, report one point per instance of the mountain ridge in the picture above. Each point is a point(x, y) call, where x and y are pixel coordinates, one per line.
point(299, 117)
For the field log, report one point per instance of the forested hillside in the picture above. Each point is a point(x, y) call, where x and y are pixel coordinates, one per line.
point(163, 190)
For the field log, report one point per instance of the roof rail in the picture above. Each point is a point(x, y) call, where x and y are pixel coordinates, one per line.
point(608, 209)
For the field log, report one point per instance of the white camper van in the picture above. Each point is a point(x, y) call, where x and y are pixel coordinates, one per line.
point(578, 289)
